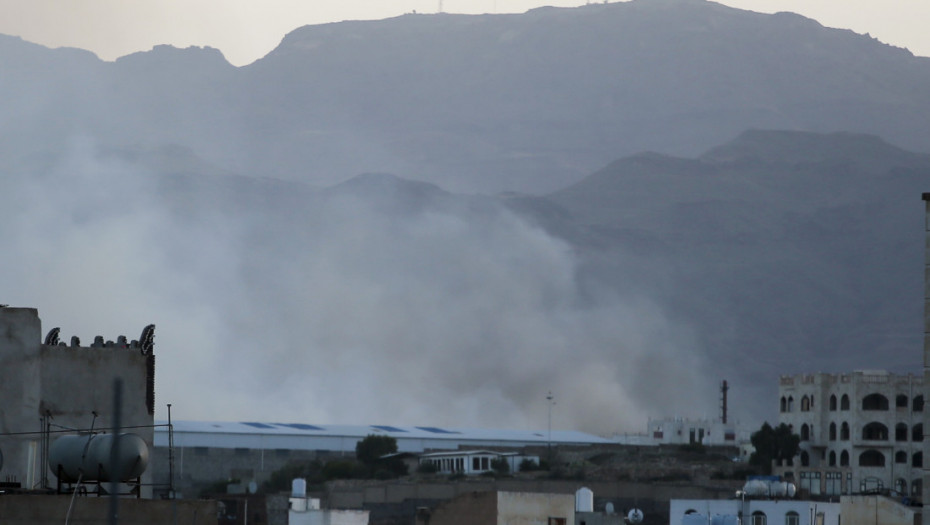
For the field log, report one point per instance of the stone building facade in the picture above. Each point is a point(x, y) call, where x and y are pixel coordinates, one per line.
point(52, 388)
point(860, 432)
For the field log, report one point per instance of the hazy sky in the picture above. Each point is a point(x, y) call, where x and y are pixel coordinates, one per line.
point(245, 30)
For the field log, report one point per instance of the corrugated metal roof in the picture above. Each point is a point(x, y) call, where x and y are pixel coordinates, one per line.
point(432, 433)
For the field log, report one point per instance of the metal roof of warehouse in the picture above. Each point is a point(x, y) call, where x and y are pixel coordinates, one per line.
point(261, 428)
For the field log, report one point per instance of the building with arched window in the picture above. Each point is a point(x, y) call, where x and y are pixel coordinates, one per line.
point(867, 433)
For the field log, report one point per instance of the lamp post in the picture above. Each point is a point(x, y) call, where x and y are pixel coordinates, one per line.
point(549, 403)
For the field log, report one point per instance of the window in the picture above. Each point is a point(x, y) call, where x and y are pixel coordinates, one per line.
point(917, 433)
point(833, 403)
point(758, 518)
point(805, 459)
point(917, 460)
point(900, 457)
point(917, 487)
point(476, 463)
point(844, 402)
point(832, 431)
point(805, 432)
point(875, 431)
point(792, 518)
point(834, 481)
point(871, 458)
point(844, 458)
point(900, 401)
point(485, 463)
point(900, 432)
point(844, 431)
point(790, 404)
point(810, 481)
point(783, 404)
point(918, 404)
point(875, 402)
point(557, 521)
point(805, 404)
point(832, 458)
point(900, 486)
point(871, 484)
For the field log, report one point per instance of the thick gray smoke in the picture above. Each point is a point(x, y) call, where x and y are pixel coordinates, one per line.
point(362, 307)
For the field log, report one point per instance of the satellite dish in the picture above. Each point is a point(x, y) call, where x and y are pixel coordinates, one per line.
point(253, 487)
point(634, 516)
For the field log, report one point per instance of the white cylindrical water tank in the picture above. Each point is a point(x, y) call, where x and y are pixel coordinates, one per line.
point(298, 488)
point(584, 500)
point(87, 457)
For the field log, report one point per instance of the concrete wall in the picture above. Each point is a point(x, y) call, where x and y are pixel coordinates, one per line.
point(526, 508)
point(869, 510)
point(52, 510)
point(328, 517)
point(475, 508)
point(62, 386)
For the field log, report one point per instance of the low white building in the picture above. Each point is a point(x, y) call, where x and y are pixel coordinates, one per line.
point(753, 512)
point(471, 462)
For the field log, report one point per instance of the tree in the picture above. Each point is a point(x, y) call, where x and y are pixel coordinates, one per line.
point(500, 465)
point(370, 449)
point(773, 444)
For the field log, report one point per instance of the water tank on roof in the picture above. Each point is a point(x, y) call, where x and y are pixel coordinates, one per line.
point(584, 500)
point(756, 488)
point(87, 458)
point(298, 488)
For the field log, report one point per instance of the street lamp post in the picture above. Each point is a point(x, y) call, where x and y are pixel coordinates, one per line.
point(549, 403)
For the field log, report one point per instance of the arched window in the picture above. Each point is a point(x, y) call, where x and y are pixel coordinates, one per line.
point(790, 404)
point(833, 403)
point(805, 459)
point(917, 487)
point(783, 404)
point(844, 431)
point(900, 401)
point(900, 486)
point(805, 432)
point(758, 518)
point(900, 457)
point(844, 458)
point(875, 401)
point(844, 402)
point(918, 404)
point(900, 432)
point(917, 433)
point(832, 431)
point(805, 404)
point(917, 460)
point(875, 431)
point(832, 458)
point(792, 518)
point(871, 458)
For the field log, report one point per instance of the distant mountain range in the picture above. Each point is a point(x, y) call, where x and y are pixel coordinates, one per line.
point(529, 102)
point(424, 219)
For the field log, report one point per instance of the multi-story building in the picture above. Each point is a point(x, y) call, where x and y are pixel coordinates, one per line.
point(860, 432)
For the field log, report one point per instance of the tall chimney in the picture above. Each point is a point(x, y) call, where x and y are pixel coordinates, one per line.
point(925, 475)
point(723, 402)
